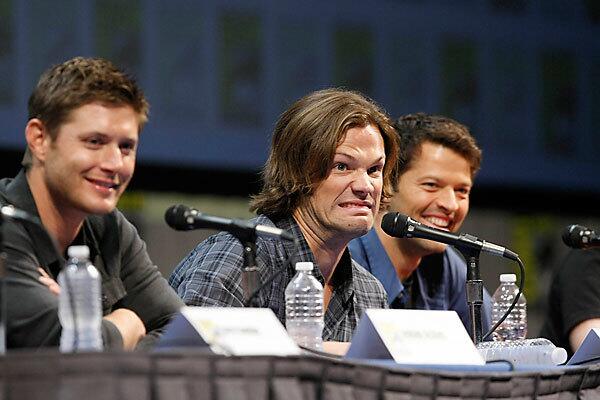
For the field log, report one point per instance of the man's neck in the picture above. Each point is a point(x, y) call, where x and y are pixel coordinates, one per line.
point(404, 261)
point(326, 248)
point(61, 224)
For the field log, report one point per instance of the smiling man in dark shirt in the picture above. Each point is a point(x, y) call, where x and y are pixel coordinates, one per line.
point(84, 120)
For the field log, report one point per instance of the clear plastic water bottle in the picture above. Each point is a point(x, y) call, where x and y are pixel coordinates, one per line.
point(538, 351)
point(514, 326)
point(304, 308)
point(79, 307)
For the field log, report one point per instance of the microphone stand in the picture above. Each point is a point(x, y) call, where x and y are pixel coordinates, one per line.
point(251, 285)
point(249, 271)
point(474, 291)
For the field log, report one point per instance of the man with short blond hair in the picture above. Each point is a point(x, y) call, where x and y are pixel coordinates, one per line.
point(85, 117)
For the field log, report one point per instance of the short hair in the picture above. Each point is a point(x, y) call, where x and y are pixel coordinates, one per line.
point(304, 142)
point(415, 129)
point(80, 81)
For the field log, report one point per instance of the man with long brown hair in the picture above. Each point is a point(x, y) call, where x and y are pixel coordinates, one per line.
point(332, 161)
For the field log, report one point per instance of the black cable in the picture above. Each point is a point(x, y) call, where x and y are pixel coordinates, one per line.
point(516, 299)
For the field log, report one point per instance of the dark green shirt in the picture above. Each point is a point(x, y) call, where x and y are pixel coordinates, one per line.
point(129, 278)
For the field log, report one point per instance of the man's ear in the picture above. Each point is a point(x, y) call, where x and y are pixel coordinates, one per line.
point(38, 139)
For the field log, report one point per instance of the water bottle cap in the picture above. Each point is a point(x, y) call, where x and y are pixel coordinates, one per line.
point(559, 356)
point(78, 252)
point(508, 278)
point(304, 266)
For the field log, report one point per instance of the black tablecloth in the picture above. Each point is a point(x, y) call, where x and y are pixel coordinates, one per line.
point(198, 375)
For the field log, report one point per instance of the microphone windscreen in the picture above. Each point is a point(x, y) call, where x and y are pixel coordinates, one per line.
point(175, 216)
point(394, 224)
point(572, 236)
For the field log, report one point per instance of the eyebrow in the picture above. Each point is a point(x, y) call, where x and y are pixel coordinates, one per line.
point(106, 135)
point(380, 159)
point(436, 178)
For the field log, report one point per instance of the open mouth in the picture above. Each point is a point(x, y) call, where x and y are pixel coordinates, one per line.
point(436, 222)
point(104, 184)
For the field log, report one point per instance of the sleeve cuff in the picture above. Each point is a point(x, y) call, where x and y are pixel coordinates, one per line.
point(111, 336)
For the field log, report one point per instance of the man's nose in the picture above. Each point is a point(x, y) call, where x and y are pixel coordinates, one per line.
point(447, 199)
point(112, 158)
point(362, 183)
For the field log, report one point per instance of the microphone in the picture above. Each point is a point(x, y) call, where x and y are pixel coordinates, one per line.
point(11, 212)
point(399, 225)
point(184, 218)
point(580, 237)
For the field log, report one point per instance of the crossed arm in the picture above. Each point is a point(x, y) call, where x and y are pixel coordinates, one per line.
point(137, 299)
point(127, 322)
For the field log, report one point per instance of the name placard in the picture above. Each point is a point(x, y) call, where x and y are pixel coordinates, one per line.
point(229, 331)
point(589, 351)
point(414, 337)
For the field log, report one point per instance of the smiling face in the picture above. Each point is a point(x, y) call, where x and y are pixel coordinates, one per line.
point(90, 161)
point(345, 203)
point(434, 191)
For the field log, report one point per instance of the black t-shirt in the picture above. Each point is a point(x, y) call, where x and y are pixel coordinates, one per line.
point(129, 278)
point(574, 296)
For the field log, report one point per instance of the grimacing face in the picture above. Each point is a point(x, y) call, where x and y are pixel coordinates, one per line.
point(434, 191)
point(89, 163)
point(346, 202)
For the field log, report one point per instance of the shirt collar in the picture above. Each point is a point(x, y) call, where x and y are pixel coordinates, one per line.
point(343, 271)
point(19, 194)
point(300, 253)
point(342, 279)
point(381, 266)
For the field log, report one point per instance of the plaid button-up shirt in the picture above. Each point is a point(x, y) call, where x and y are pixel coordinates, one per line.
point(211, 276)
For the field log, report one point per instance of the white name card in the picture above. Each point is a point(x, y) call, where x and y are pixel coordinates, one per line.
point(229, 331)
point(414, 337)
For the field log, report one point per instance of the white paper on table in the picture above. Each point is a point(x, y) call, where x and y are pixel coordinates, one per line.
point(414, 337)
point(230, 331)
